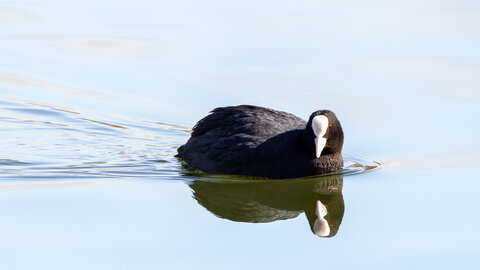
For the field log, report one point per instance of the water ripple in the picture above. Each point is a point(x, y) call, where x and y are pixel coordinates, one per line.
point(40, 141)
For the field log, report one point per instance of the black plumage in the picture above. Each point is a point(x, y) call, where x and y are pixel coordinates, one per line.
point(257, 141)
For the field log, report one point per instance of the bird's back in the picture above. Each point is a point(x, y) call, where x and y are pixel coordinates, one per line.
point(230, 138)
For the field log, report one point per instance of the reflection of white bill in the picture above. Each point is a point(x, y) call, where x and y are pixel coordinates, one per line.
point(320, 227)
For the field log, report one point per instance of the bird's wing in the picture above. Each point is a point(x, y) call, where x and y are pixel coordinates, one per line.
point(234, 134)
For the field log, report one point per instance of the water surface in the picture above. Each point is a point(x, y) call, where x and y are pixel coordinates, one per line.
point(95, 97)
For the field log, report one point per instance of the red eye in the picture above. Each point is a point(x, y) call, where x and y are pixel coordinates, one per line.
point(330, 127)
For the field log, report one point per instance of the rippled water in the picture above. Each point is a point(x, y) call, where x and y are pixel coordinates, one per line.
point(52, 142)
point(95, 97)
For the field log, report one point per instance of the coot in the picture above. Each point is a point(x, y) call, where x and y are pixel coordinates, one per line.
point(256, 141)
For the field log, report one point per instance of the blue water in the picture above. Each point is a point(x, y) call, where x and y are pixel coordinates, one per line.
point(95, 97)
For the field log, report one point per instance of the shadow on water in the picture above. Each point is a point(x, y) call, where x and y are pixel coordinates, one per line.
point(265, 201)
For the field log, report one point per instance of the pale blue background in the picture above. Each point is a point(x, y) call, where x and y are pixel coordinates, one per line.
point(402, 76)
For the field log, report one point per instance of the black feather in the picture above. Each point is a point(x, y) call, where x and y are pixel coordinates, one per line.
point(256, 141)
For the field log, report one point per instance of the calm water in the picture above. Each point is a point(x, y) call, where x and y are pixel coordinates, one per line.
point(95, 97)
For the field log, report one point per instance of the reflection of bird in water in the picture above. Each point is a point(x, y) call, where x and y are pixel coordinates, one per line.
point(266, 201)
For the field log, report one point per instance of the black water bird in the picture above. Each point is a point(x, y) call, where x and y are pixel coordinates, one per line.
point(256, 141)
